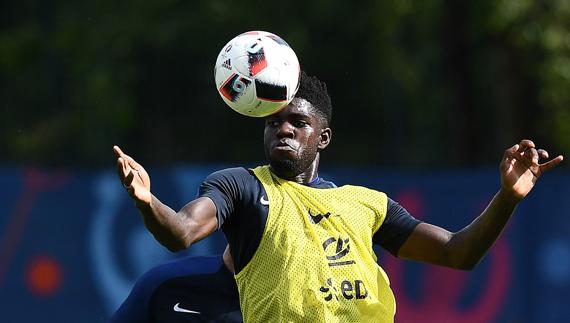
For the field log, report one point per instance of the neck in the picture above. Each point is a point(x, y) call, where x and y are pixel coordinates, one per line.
point(305, 177)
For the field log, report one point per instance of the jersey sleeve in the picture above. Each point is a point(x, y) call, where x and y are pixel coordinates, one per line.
point(396, 228)
point(225, 189)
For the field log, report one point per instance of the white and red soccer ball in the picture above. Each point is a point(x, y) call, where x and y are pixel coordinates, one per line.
point(257, 73)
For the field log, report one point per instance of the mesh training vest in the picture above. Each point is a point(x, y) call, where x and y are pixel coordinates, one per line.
point(315, 261)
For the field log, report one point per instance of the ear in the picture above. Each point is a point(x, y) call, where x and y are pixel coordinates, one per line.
point(325, 138)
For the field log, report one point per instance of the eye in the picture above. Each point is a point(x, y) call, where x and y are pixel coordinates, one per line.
point(300, 123)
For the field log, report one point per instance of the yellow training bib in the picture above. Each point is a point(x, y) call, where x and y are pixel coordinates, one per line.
point(315, 262)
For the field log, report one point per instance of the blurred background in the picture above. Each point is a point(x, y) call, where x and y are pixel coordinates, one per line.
point(426, 96)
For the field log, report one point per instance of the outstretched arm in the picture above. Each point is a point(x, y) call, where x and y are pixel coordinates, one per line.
point(174, 230)
point(520, 169)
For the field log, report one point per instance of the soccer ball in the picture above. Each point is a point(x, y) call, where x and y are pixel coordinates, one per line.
point(257, 73)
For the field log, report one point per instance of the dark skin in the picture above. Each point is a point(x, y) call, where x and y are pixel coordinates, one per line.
point(293, 140)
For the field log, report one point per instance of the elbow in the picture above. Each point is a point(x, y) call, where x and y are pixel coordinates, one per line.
point(466, 266)
point(173, 247)
point(173, 239)
point(170, 247)
point(178, 238)
point(174, 244)
point(463, 262)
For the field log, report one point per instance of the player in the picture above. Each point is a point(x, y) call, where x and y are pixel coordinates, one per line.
point(302, 248)
point(190, 289)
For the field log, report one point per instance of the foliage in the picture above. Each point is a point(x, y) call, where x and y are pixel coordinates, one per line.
point(414, 84)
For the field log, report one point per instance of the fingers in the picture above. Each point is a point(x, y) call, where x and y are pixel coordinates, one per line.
point(551, 164)
point(127, 159)
point(509, 157)
point(133, 164)
point(122, 169)
point(132, 175)
point(118, 152)
point(525, 144)
point(526, 152)
point(128, 180)
point(511, 152)
point(126, 166)
point(531, 154)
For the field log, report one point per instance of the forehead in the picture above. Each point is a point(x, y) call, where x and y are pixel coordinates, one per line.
point(297, 107)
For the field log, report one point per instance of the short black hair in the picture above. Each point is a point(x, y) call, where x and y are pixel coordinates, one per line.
point(315, 92)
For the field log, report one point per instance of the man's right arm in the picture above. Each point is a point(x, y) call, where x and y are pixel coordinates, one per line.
point(174, 230)
point(178, 230)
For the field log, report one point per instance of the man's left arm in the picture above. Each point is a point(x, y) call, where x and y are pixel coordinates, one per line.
point(519, 169)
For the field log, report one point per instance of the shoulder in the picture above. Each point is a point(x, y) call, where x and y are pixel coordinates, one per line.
point(371, 199)
point(365, 193)
point(229, 180)
point(234, 173)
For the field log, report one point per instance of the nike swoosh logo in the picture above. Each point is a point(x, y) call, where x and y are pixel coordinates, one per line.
point(317, 218)
point(263, 200)
point(177, 308)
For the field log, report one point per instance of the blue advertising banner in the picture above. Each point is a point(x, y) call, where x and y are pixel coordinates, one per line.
point(72, 244)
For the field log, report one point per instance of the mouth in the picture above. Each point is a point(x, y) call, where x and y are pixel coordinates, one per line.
point(285, 145)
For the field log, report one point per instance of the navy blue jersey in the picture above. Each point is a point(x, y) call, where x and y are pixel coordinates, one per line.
point(191, 289)
point(242, 211)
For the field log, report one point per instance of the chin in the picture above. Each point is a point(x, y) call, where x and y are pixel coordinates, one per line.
point(286, 168)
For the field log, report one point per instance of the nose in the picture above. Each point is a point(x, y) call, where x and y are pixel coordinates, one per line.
point(285, 130)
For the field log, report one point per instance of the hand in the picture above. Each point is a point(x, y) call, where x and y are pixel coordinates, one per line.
point(134, 178)
point(520, 168)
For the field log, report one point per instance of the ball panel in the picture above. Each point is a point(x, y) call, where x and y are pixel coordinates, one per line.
point(256, 60)
point(278, 40)
point(234, 87)
point(270, 92)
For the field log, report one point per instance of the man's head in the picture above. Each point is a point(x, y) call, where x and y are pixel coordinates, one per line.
point(295, 135)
